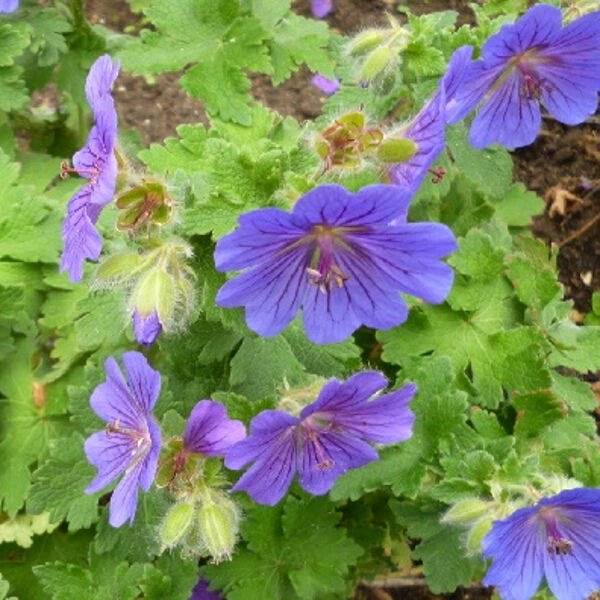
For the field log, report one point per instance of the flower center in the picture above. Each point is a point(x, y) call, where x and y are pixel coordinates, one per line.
point(309, 433)
point(322, 271)
point(66, 170)
point(556, 544)
point(141, 439)
point(532, 84)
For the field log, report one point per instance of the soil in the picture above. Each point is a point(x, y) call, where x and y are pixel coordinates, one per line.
point(562, 167)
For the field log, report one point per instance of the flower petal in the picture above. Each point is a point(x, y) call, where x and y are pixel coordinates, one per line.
point(209, 431)
point(507, 117)
point(516, 546)
point(345, 452)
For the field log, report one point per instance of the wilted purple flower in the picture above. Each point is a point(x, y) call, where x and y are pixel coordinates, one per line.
point(329, 438)
point(336, 256)
point(426, 130)
point(558, 538)
point(321, 8)
point(8, 6)
point(201, 591)
point(326, 85)
point(96, 161)
point(131, 443)
point(532, 61)
point(146, 328)
point(210, 431)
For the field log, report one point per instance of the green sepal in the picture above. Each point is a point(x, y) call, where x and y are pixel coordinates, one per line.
point(122, 267)
point(396, 150)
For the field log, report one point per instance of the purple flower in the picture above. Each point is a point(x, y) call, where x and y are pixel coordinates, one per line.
point(201, 591)
point(210, 432)
point(336, 256)
point(8, 6)
point(426, 130)
point(146, 328)
point(96, 161)
point(326, 85)
point(558, 538)
point(532, 61)
point(321, 8)
point(130, 445)
point(329, 438)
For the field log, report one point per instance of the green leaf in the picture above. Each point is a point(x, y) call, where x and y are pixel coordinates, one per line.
point(280, 560)
point(29, 423)
point(72, 582)
point(13, 93)
point(171, 577)
point(445, 564)
point(102, 321)
point(14, 38)
point(575, 347)
point(293, 40)
point(400, 467)
point(331, 360)
point(59, 483)
point(48, 42)
point(28, 230)
point(17, 563)
point(224, 39)
point(23, 527)
point(576, 394)
point(490, 169)
point(518, 205)
point(139, 541)
point(535, 412)
point(261, 366)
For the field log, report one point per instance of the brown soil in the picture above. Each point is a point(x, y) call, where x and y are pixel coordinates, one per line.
point(562, 166)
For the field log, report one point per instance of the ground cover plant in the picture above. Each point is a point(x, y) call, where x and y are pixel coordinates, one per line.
point(271, 359)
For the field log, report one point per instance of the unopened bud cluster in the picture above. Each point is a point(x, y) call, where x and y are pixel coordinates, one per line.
point(204, 519)
point(379, 49)
point(348, 142)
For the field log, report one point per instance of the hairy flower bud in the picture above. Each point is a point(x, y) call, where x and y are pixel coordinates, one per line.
point(218, 524)
point(365, 41)
point(176, 524)
point(375, 63)
point(466, 511)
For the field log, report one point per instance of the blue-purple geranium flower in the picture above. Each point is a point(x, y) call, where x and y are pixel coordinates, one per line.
point(209, 431)
point(96, 161)
point(146, 328)
point(8, 6)
point(533, 61)
point(130, 445)
point(330, 436)
point(337, 257)
point(558, 538)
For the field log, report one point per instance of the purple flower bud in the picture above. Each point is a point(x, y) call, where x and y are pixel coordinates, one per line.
point(146, 328)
